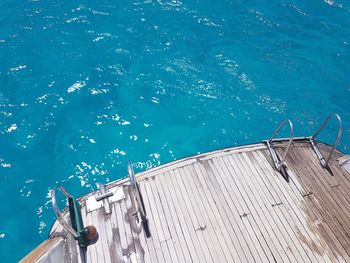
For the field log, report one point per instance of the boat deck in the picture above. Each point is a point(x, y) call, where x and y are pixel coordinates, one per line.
point(229, 206)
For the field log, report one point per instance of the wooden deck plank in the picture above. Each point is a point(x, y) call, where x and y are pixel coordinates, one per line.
point(335, 250)
point(286, 208)
point(295, 178)
point(333, 180)
point(299, 208)
point(126, 209)
point(174, 221)
point(309, 233)
point(147, 253)
point(109, 237)
point(329, 179)
point(229, 251)
point(71, 246)
point(284, 222)
point(272, 222)
point(153, 207)
point(99, 243)
point(154, 240)
point(236, 221)
point(256, 212)
point(188, 218)
point(249, 226)
point(328, 202)
point(159, 219)
point(173, 242)
point(272, 194)
point(218, 205)
point(204, 214)
point(149, 241)
point(91, 255)
point(333, 222)
point(291, 242)
point(244, 209)
point(304, 168)
point(115, 245)
point(182, 221)
point(343, 178)
point(323, 178)
point(100, 223)
point(134, 228)
point(208, 209)
point(340, 172)
point(140, 234)
point(338, 191)
point(121, 228)
point(198, 225)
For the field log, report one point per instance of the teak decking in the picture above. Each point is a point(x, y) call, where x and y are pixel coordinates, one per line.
point(230, 206)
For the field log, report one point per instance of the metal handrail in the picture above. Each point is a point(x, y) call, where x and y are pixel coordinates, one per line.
point(279, 163)
point(58, 213)
point(139, 200)
point(324, 162)
point(136, 189)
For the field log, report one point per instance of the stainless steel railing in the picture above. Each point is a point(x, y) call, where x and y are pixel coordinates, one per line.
point(279, 162)
point(58, 212)
point(324, 161)
point(139, 200)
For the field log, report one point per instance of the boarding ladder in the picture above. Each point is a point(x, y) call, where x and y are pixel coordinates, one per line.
point(325, 160)
point(276, 160)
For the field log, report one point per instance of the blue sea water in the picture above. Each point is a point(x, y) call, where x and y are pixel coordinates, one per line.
point(86, 86)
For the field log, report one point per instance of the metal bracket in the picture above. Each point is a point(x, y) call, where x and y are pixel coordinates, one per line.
point(102, 197)
point(103, 194)
point(103, 200)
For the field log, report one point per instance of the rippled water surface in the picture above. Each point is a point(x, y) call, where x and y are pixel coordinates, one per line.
point(86, 86)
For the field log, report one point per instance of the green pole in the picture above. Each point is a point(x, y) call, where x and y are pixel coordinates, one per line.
point(77, 220)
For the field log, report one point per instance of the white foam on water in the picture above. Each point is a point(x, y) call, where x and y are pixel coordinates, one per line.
point(102, 36)
point(125, 123)
point(42, 226)
point(12, 128)
point(99, 13)
point(248, 83)
point(117, 151)
point(3, 164)
point(98, 91)
point(329, 2)
point(18, 68)
point(76, 86)
point(207, 22)
point(6, 114)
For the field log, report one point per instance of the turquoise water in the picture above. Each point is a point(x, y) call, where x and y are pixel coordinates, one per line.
point(85, 87)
